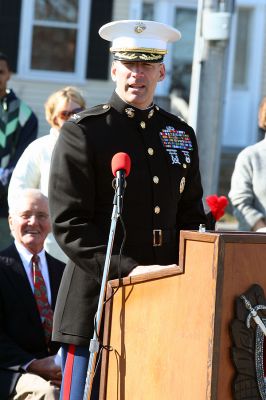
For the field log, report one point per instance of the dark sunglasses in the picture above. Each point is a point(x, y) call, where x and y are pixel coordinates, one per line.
point(65, 114)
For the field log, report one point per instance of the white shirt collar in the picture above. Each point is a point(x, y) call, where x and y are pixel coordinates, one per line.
point(26, 255)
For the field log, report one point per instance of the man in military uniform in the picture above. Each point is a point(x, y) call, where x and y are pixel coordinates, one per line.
point(163, 193)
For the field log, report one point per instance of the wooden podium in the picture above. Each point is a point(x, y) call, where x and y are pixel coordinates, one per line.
point(169, 332)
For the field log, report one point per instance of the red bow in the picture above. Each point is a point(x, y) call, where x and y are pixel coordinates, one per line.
point(217, 205)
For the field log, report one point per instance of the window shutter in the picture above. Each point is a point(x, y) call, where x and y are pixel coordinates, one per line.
point(9, 28)
point(98, 52)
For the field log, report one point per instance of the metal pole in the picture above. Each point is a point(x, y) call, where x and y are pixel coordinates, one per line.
point(94, 343)
point(206, 96)
point(196, 70)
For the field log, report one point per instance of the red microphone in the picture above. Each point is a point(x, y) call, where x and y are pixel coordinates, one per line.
point(121, 161)
point(121, 164)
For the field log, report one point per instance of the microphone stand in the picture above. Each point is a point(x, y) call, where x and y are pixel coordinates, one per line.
point(94, 343)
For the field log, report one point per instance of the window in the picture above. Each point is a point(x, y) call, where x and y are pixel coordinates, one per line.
point(242, 51)
point(185, 21)
point(54, 35)
point(147, 11)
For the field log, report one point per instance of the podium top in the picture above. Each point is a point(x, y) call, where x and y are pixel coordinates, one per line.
point(220, 238)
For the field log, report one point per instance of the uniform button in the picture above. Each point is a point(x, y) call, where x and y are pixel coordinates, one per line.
point(157, 210)
point(155, 179)
point(184, 165)
point(143, 124)
point(150, 151)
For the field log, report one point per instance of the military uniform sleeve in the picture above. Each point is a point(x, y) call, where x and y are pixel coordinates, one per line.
point(190, 211)
point(72, 192)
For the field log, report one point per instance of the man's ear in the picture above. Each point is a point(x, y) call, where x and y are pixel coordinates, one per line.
point(113, 72)
point(10, 222)
point(162, 73)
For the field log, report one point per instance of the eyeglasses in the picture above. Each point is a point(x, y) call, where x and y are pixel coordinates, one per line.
point(66, 114)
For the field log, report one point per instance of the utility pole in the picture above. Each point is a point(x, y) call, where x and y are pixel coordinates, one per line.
point(208, 85)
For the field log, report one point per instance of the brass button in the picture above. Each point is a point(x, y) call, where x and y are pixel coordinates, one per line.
point(143, 124)
point(157, 210)
point(150, 151)
point(155, 179)
point(105, 106)
point(184, 165)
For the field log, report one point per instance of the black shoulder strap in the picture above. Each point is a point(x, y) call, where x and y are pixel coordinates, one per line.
point(90, 112)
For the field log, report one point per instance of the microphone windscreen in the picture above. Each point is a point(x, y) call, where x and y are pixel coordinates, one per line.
point(121, 161)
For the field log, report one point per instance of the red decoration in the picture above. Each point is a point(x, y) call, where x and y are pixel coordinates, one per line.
point(217, 205)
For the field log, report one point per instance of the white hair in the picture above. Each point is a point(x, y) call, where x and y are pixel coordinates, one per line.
point(15, 200)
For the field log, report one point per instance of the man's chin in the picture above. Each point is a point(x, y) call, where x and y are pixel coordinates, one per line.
point(31, 240)
point(137, 100)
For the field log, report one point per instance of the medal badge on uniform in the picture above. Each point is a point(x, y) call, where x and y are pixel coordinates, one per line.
point(174, 140)
point(187, 156)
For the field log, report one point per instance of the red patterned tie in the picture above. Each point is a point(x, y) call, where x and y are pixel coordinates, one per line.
point(40, 293)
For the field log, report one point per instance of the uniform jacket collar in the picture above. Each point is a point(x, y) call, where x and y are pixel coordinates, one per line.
point(130, 111)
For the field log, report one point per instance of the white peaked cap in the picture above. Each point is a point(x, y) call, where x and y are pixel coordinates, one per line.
point(139, 36)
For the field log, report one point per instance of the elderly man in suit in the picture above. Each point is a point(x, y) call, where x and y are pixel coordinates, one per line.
point(29, 282)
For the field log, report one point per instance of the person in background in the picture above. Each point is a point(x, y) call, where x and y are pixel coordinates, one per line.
point(18, 127)
point(32, 169)
point(163, 193)
point(29, 282)
point(248, 187)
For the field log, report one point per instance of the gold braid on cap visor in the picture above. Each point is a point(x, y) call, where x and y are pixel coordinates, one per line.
point(150, 55)
point(141, 54)
point(139, 50)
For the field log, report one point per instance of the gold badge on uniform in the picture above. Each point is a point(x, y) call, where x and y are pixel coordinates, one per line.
point(151, 113)
point(130, 112)
point(182, 184)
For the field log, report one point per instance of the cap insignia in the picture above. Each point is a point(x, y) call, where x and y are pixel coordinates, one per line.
point(130, 112)
point(140, 27)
